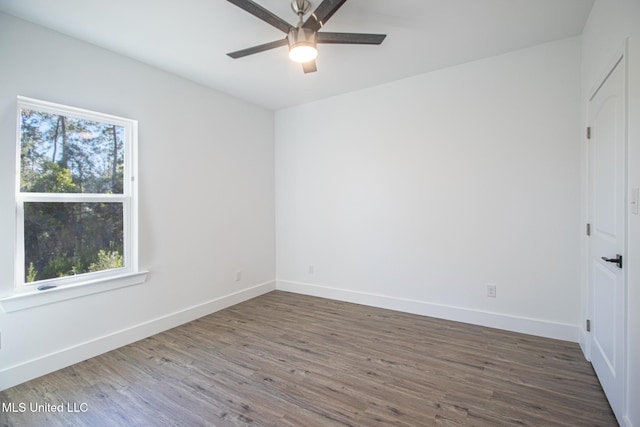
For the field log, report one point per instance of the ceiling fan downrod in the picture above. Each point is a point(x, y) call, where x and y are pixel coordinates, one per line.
point(300, 8)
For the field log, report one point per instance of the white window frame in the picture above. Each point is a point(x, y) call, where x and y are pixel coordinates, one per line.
point(51, 290)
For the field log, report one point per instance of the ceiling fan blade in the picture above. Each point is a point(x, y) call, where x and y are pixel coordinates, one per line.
point(350, 38)
point(256, 49)
point(262, 13)
point(321, 15)
point(309, 67)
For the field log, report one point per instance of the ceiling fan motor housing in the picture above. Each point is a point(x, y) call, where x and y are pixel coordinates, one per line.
point(301, 37)
point(302, 44)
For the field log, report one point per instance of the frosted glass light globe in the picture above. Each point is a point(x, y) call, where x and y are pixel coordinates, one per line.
point(303, 53)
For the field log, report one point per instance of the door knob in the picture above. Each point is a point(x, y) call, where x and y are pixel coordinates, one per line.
point(617, 260)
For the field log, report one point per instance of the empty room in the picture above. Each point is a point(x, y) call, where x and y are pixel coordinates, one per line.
point(318, 213)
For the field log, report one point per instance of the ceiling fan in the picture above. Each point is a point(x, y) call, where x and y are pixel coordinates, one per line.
point(303, 38)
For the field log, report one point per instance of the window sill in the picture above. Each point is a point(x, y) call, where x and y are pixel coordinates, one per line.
point(24, 301)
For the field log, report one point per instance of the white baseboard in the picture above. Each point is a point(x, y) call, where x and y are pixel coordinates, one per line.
point(34, 368)
point(542, 328)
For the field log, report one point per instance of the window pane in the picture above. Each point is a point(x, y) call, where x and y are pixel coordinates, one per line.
point(63, 154)
point(64, 239)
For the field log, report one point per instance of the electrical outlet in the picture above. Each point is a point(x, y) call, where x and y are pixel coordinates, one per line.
point(238, 276)
point(491, 291)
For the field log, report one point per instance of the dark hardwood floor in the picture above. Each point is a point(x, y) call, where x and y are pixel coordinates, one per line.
point(290, 360)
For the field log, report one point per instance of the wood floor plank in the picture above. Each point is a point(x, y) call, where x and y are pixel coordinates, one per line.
point(284, 359)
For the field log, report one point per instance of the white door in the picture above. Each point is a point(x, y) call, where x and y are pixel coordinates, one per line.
point(607, 217)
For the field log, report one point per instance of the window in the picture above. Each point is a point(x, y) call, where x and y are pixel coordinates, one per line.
point(76, 202)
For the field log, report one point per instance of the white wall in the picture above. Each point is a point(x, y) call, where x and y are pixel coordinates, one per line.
point(415, 195)
point(206, 198)
point(610, 23)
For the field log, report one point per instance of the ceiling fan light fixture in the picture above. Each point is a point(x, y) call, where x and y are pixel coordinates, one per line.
point(302, 45)
point(303, 53)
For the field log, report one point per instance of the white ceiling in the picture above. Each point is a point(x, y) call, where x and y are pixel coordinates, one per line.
point(191, 38)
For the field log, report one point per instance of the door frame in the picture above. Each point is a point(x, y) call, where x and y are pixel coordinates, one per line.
point(619, 59)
